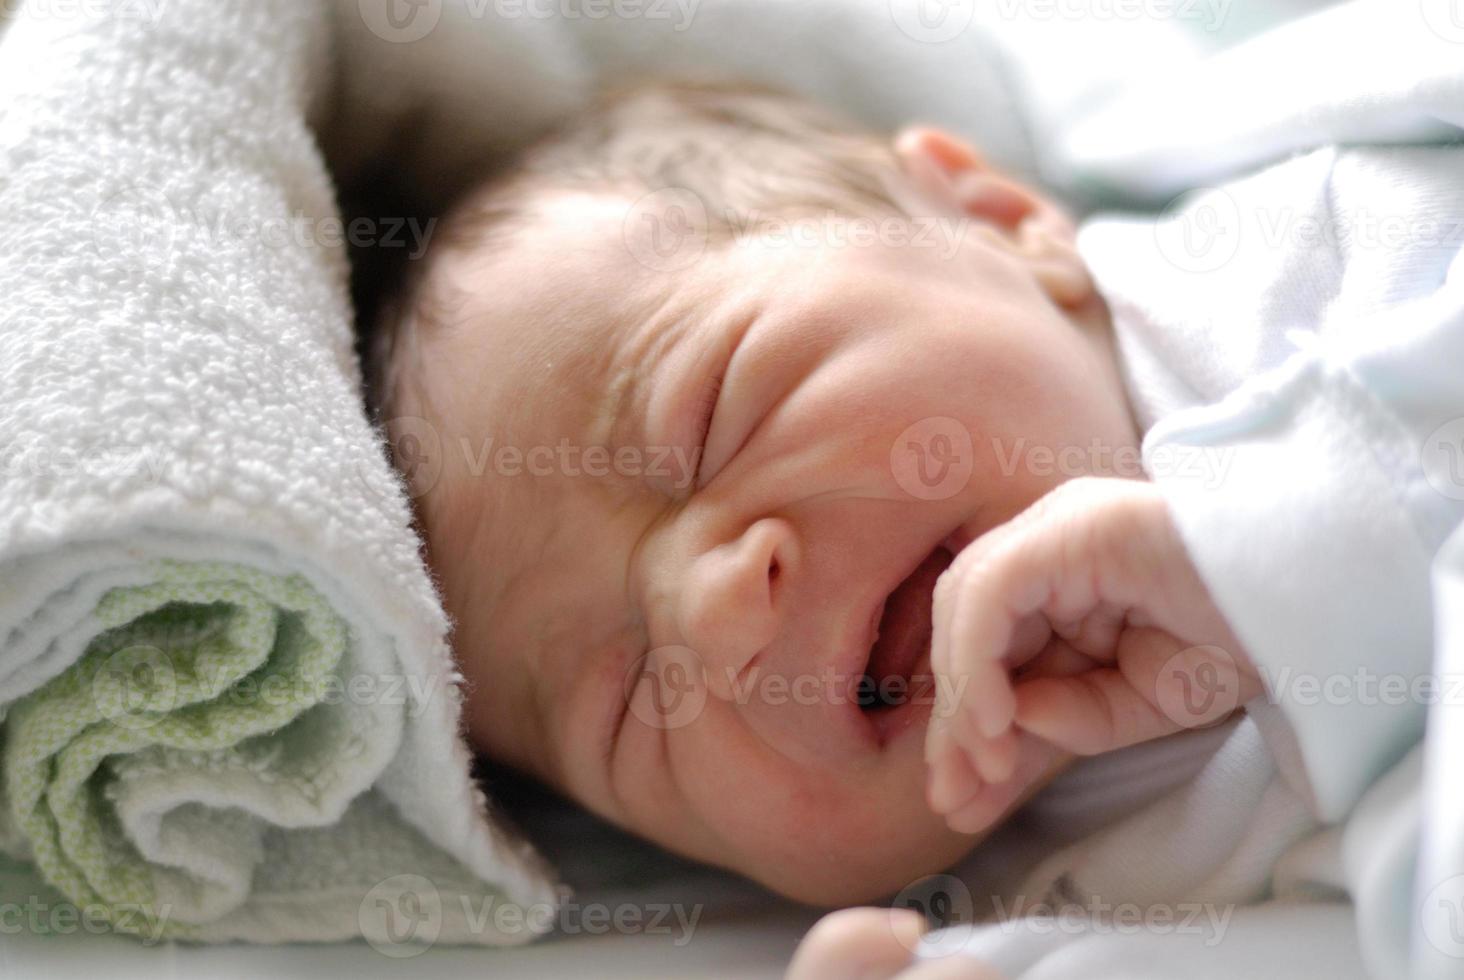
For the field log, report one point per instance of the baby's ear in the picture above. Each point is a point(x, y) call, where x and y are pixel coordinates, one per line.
point(949, 173)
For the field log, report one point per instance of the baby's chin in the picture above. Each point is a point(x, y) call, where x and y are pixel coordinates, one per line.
point(865, 879)
point(875, 865)
point(833, 850)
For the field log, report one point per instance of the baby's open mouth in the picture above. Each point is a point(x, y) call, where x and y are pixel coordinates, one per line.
point(902, 640)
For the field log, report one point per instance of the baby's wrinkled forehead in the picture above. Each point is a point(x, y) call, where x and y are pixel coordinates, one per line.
point(535, 326)
point(532, 375)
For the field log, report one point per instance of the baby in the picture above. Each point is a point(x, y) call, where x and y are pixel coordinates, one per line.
point(725, 394)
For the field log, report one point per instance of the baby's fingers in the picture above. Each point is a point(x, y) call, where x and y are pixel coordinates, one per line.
point(951, 779)
point(972, 629)
point(1089, 713)
point(858, 942)
point(995, 800)
point(1160, 686)
point(993, 604)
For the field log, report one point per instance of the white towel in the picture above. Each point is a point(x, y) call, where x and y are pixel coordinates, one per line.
point(179, 404)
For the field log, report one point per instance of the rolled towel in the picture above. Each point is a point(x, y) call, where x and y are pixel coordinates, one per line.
point(228, 709)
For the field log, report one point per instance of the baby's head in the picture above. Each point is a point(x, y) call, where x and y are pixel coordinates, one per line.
point(713, 377)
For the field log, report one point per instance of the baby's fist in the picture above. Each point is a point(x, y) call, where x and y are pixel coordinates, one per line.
point(1080, 626)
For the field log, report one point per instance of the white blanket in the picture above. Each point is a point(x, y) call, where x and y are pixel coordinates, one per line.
point(1293, 340)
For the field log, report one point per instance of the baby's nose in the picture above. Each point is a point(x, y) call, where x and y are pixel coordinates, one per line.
point(731, 606)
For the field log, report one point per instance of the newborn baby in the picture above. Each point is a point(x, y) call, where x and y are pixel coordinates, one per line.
point(727, 400)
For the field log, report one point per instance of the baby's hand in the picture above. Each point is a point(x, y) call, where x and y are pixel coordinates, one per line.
point(1080, 626)
point(876, 944)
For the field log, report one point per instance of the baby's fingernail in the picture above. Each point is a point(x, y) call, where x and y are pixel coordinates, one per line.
point(970, 819)
point(998, 758)
point(932, 789)
point(940, 785)
point(951, 782)
point(937, 736)
point(1001, 705)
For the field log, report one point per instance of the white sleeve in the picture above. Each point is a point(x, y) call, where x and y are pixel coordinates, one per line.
point(1329, 486)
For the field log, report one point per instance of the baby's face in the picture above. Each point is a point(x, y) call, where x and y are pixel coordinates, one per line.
point(753, 469)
